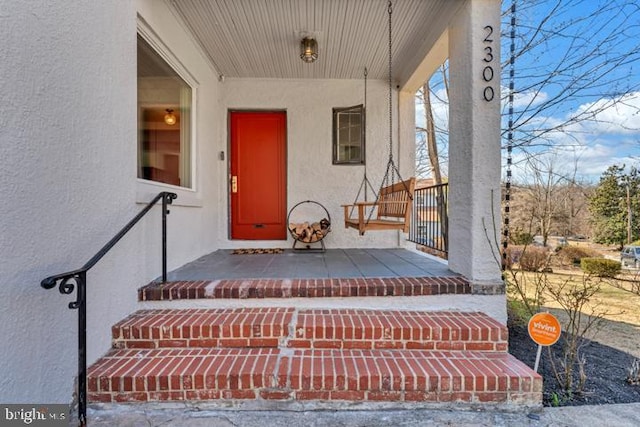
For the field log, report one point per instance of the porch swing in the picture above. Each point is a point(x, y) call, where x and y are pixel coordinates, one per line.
point(393, 203)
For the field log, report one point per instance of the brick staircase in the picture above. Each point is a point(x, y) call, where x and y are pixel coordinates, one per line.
point(294, 354)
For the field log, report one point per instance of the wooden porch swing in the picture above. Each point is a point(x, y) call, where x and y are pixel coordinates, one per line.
point(393, 207)
point(394, 201)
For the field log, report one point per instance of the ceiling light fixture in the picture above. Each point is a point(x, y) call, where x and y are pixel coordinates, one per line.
point(308, 49)
point(170, 118)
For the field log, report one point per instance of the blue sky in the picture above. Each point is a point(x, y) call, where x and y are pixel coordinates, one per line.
point(584, 63)
point(601, 39)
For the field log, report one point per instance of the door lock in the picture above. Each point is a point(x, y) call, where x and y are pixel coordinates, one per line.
point(234, 184)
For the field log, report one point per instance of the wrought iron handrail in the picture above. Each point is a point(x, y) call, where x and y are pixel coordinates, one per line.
point(430, 222)
point(77, 279)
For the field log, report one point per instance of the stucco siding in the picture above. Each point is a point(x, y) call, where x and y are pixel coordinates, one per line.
point(68, 171)
point(311, 174)
point(67, 77)
point(68, 181)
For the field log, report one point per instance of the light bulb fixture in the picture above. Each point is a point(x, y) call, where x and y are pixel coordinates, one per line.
point(170, 118)
point(308, 50)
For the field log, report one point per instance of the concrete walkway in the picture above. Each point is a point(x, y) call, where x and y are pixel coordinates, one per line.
point(583, 416)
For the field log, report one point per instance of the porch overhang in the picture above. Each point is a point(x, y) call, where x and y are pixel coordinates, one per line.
point(251, 39)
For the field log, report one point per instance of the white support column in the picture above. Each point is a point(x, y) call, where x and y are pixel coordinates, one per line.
point(474, 144)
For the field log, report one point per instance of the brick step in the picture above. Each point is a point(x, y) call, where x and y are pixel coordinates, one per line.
point(304, 288)
point(302, 375)
point(310, 328)
point(394, 329)
point(243, 327)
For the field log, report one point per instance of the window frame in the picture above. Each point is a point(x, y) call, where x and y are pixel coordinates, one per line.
point(163, 51)
point(361, 160)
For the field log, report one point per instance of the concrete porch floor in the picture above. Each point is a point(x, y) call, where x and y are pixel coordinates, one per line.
point(334, 263)
point(337, 278)
point(348, 328)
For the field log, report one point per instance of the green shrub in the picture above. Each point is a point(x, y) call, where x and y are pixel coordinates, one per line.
point(534, 259)
point(600, 267)
point(517, 312)
point(571, 255)
point(520, 237)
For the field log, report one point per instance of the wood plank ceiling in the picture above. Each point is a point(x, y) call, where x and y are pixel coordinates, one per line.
point(260, 38)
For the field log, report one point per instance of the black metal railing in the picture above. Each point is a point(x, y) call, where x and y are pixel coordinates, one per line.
point(77, 280)
point(430, 219)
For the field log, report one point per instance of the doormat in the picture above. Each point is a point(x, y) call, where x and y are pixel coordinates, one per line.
point(257, 251)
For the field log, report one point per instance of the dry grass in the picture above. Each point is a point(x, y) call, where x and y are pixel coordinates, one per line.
point(620, 327)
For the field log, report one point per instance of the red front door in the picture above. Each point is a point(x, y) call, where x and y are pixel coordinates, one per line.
point(258, 175)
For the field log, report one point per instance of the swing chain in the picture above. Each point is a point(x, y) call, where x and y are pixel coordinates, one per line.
point(391, 166)
point(366, 184)
point(365, 179)
point(390, 12)
point(366, 73)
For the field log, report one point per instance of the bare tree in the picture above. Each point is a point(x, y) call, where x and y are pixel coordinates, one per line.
point(546, 202)
point(576, 206)
point(574, 62)
point(574, 65)
point(429, 138)
point(433, 136)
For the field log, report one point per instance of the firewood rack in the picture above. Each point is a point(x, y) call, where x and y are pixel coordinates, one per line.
point(304, 239)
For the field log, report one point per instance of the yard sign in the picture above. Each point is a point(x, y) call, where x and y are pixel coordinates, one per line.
point(544, 330)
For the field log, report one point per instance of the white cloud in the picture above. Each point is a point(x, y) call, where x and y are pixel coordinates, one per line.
point(614, 116)
point(591, 160)
point(596, 158)
point(526, 99)
point(610, 136)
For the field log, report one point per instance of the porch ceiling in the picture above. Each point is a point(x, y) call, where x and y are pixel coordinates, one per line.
point(260, 38)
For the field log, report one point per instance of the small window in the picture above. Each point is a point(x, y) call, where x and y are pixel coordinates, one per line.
point(348, 135)
point(164, 120)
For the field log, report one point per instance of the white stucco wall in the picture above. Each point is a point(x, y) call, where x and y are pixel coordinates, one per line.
point(311, 174)
point(68, 180)
point(59, 128)
point(474, 144)
point(68, 173)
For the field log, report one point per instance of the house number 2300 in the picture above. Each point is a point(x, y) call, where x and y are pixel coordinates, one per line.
point(487, 72)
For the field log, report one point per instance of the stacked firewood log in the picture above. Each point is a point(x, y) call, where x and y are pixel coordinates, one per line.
point(309, 233)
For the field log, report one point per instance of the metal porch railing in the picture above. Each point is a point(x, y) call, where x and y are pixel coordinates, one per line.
point(77, 280)
point(430, 219)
